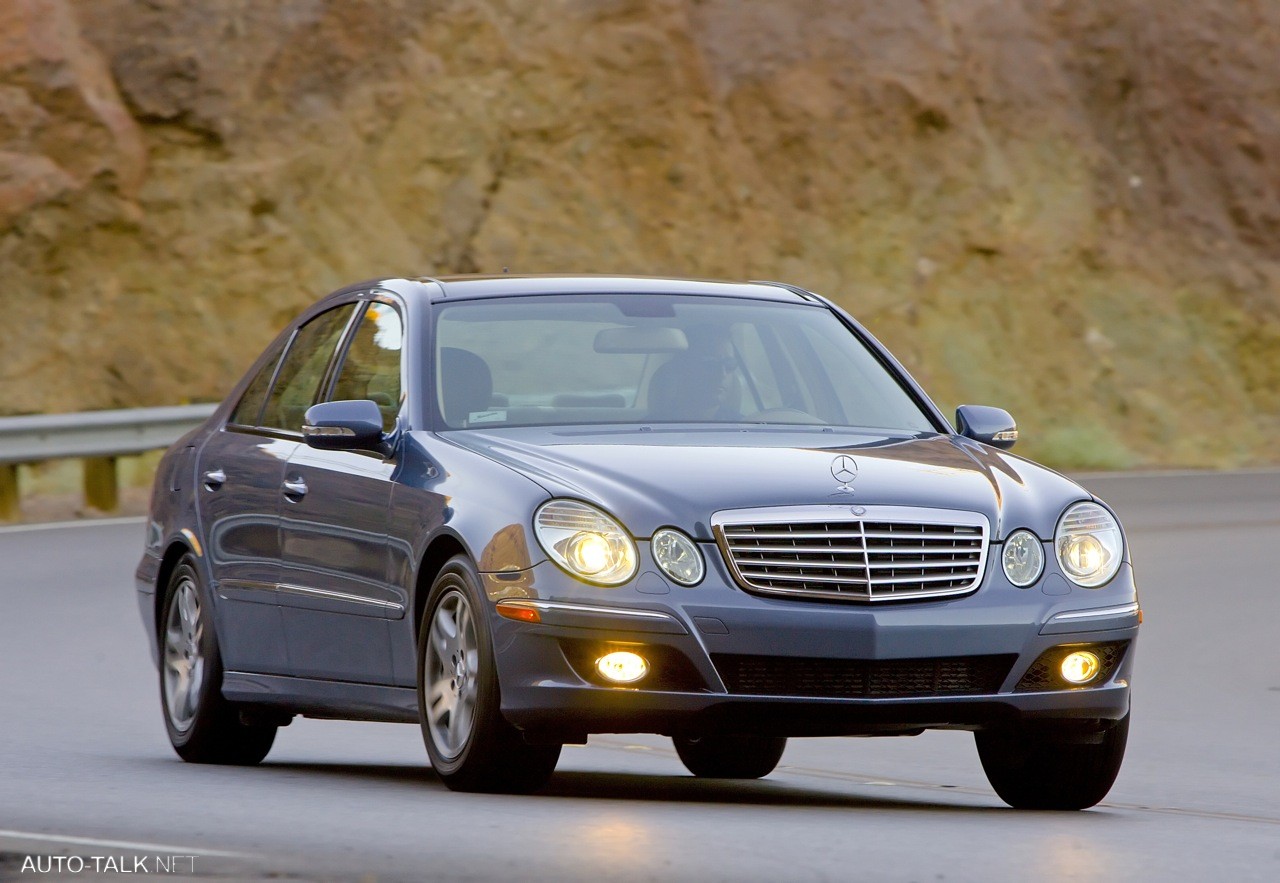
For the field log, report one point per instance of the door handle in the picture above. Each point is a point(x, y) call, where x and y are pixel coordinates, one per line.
point(214, 479)
point(294, 487)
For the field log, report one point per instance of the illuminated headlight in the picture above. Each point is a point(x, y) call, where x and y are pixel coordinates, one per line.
point(678, 556)
point(1089, 544)
point(586, 542)
point(1023, 558)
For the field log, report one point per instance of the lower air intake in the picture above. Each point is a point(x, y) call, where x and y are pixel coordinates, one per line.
point(862, 678)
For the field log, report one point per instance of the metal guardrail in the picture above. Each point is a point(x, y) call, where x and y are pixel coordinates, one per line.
point(96, 437)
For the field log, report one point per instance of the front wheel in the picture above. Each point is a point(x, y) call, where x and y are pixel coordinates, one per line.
point(471, 745)
point(1033, 769)
point(730, 757)
point(203, 727)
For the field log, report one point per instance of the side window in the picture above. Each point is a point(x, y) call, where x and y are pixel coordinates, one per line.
point(371, 366)
point(250, 405)
point(303, 368)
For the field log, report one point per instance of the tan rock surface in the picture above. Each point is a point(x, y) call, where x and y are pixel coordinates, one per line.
point(1071, 209)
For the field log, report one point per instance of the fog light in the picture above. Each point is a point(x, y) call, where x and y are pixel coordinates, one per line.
point(1080, 667)
point(622, 667)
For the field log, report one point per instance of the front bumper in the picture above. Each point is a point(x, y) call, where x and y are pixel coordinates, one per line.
point(830, 668)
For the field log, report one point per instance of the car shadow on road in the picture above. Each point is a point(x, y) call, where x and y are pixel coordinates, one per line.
point(762, 792)
point(578, 785)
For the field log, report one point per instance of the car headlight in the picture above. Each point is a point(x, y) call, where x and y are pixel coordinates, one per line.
point(678, 556)
point(586, 542)
point(1089, 544)
point(1023, 558)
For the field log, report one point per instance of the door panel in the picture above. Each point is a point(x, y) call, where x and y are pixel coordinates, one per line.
point(238, 482)
point(334, 591)
point(334, 595)
point(239, 476)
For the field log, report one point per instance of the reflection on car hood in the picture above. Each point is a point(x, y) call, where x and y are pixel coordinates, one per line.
point(653, 477)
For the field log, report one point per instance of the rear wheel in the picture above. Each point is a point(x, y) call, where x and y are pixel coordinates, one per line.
point(203, 727)
point(1044, 769)
point(730, 757)
point(471, 746)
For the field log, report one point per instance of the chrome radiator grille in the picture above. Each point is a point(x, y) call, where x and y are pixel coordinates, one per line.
point(886, 553)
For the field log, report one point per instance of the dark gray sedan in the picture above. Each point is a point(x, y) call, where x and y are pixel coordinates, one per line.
point(521, 510)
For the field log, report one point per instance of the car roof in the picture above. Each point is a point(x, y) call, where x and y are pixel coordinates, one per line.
point(472, 287)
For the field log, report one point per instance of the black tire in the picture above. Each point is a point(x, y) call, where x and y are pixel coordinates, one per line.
point(1043, 769)
point(730, 757)
point(484, 753)
point(203, 727)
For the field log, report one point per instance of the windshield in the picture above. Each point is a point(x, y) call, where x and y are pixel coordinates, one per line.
point(636, 358)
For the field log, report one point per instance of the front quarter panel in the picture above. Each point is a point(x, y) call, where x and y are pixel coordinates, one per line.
point(447, 496)
point(449, 490)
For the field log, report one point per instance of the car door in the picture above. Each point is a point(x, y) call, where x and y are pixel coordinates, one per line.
point(240, 473)
point(334, 592)
point(238, 480)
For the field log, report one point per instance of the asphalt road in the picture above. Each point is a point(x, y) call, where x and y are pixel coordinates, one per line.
point(86, 772)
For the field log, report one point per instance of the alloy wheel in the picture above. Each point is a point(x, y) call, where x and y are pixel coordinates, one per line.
point(184, 663)
point(451, 668)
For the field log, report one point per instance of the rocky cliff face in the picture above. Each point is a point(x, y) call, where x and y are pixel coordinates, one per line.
point(1071, 209)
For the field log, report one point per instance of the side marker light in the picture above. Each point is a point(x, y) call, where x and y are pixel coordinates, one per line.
point(518, 612)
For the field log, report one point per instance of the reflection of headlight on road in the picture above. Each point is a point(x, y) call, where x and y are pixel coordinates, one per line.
point(1089, 544)
point(585, 541)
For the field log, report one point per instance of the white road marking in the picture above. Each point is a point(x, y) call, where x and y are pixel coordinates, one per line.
point(158, 848)
point(61, 525)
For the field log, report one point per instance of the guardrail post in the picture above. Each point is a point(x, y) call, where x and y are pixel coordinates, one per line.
point(10, 499)
point(101, 490)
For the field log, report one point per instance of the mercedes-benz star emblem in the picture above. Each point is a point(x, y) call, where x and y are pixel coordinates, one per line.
point(844, 470)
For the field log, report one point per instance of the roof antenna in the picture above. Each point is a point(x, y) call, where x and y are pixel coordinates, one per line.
point(504, 269)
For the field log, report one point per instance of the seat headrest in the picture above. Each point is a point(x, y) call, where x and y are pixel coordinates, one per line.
point(688, 387)
point(466, 384)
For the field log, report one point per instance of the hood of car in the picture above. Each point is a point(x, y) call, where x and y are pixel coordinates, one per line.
point(652, 477)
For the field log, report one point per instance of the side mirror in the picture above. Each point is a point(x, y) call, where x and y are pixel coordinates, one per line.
point(344, 426)
point(993, 426)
